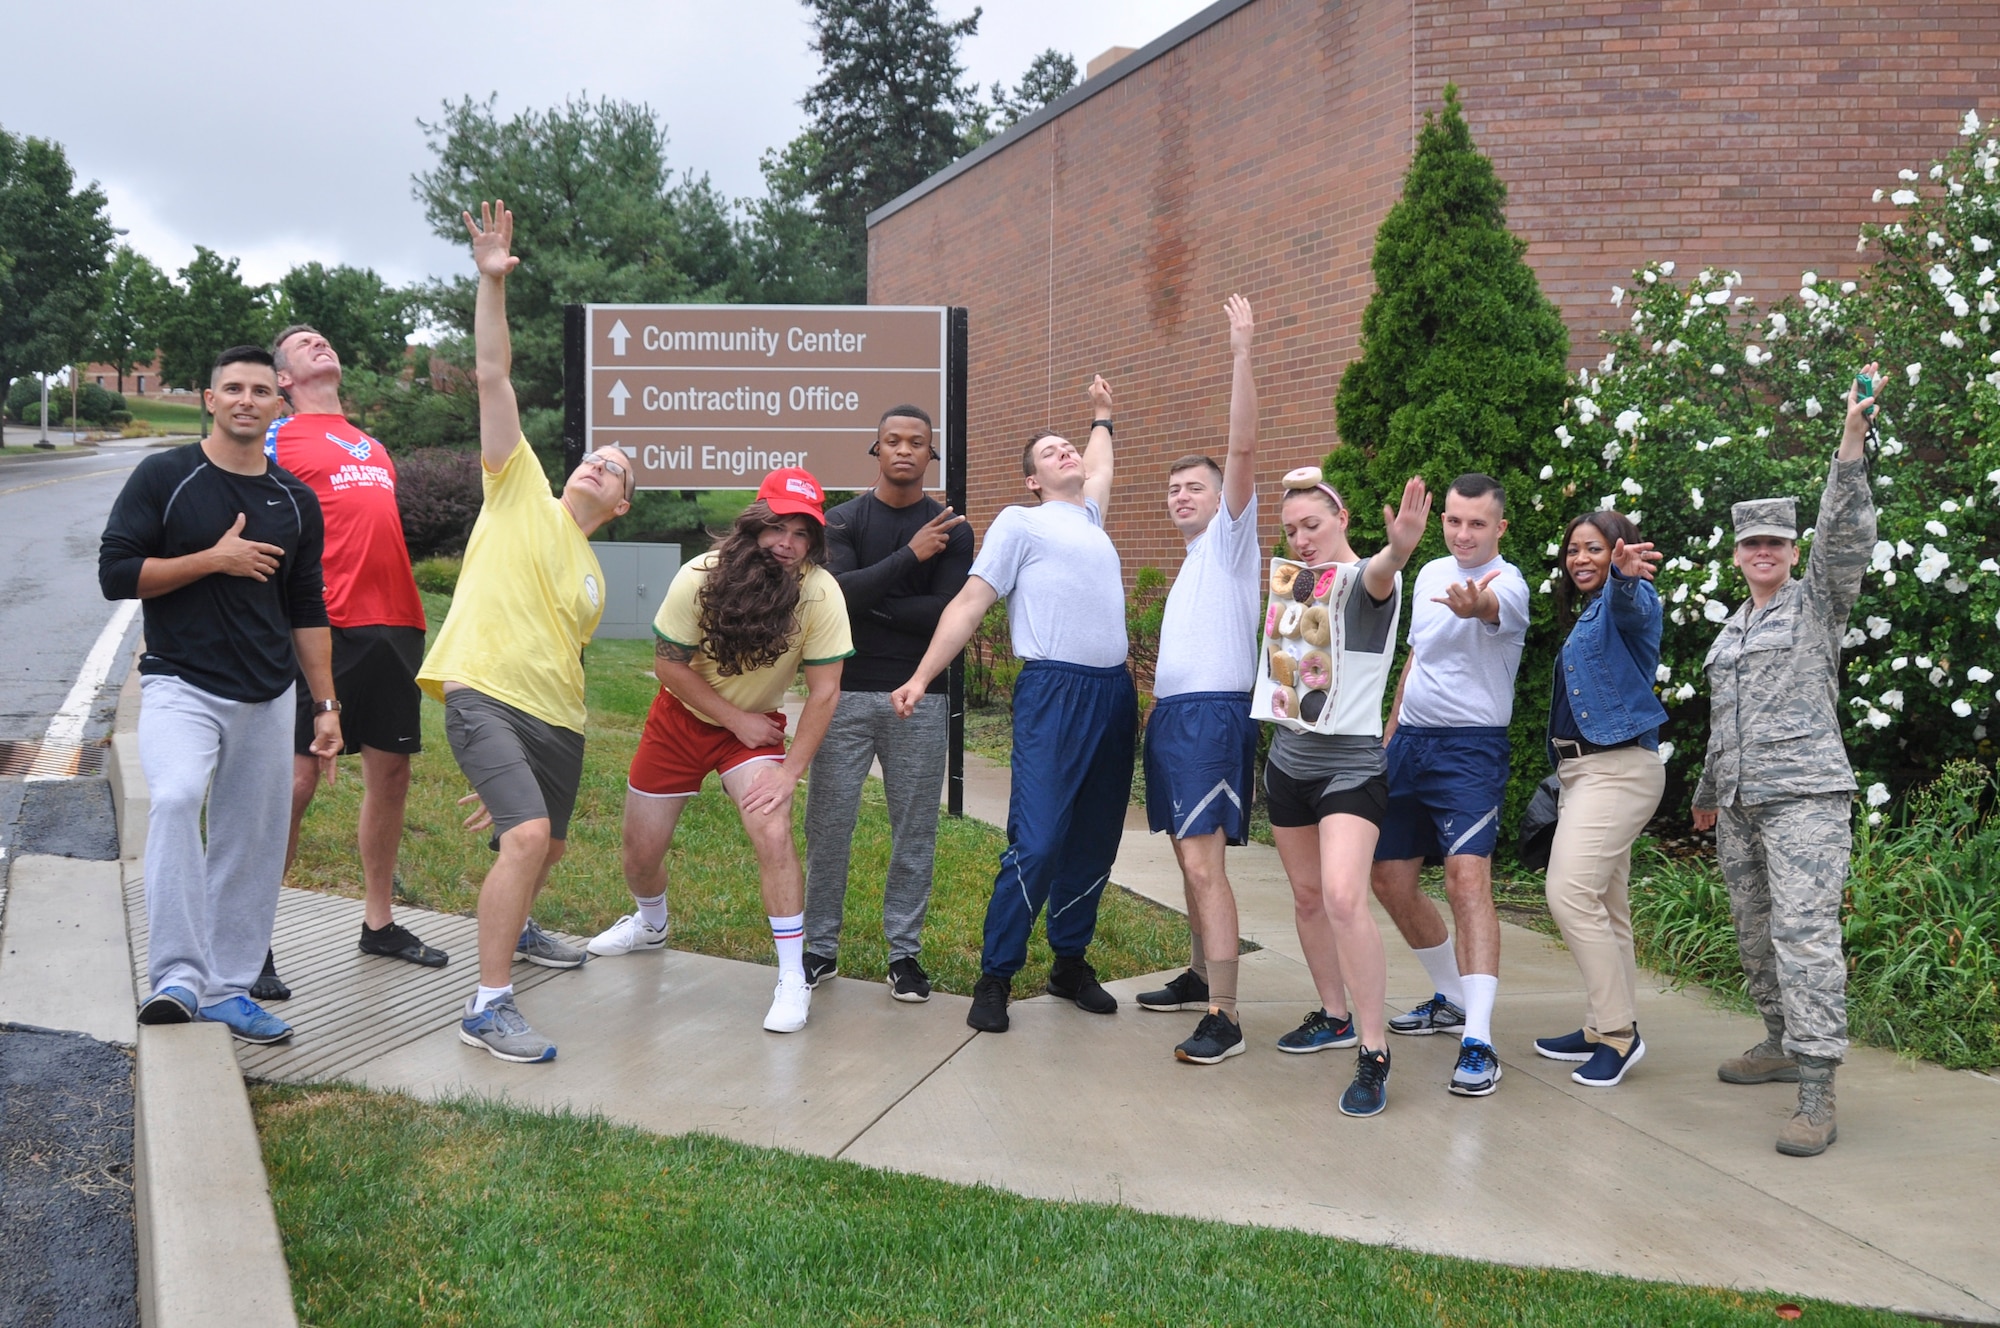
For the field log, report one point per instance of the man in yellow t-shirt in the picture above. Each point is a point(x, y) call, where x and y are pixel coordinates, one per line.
point(508, 662)
point(737, 625)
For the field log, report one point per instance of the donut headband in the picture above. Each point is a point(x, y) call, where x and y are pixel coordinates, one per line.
point(1312, 477)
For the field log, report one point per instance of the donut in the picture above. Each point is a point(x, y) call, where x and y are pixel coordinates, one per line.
point(1327, 580)
point(1288, 625)
point(1284, 669)
point(1316, 627)
point(1271, 621)
point(1305, 477)
point(1311, 706)
point(1282, 578)
point(1302, 589)
point(1315, 670)
point(1282, 702)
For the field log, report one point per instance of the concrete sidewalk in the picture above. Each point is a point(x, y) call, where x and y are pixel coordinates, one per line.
point(1671, 1176)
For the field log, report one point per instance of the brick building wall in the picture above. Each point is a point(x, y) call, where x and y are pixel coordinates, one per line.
point(1259, 152)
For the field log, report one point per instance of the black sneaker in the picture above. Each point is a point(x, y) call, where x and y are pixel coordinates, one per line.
point(1319, 1032)
point(1216, 1038)
point(1186, 992)
point(989, 1003)
point(269, 986)
point(1436, 1015)
point(1073, 979)
point(396, 941)
point(818, 967)
point(1369, 1092)
point(908, 981)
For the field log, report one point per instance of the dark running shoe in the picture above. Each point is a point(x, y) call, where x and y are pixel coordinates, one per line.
point(1369, 1092)
point(989, 1003)
point(1569, 1047)
point(1606, 1068)
point(396, 941)
point(269, 986)
point(1319, 1032)
point(818, 968)
point(1216, 1038)
point(1436, 1015)
point(907, 980)
point(1186, 992)
point(1477, 1073)
point(1072, 978)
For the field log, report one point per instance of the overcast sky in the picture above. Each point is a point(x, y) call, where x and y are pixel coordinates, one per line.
point(284, 134)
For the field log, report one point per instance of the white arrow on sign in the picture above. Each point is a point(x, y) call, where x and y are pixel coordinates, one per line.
point(619, 396)
point(619, 336)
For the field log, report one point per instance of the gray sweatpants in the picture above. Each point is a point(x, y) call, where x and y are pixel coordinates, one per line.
point(912, 752)
point(210, 909)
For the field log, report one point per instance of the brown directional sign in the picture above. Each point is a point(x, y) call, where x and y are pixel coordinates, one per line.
point(713, 396)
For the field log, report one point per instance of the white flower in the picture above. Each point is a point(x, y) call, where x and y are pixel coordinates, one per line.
point(1979, 673)
point(1935, 240)
point(1628, 421)
point(1847, 288)
point(1617, 296)
point(1548, 585)
point(1778, 325)
point(1587, 410)
point(1666, 752)
point(1717, 297)
point(1877, 628)
point(1971, 125)
point(1923, 661)
point(1941, 276)
point(1913, 370)
point(1650, 277)
point(1608, 503)
point(1936, 528)
point(1956, 586)
point(1903, 197)
point(1878, 795)
point(1985, 277)
point(1812, 408)
point(1933, 564)
point(1805, 366)
point(1906, 174)
point(1893, 700)
point(1667, 268)
point(1883, 552)
point(1684, 691)
point(1809, 279)
point(1754, 356)
point(1663, 673)
point(1947, 506)
point(1716, 370)
point(1980, 244)
point(1631, 486)
point(1613, 450)
point(1888, 578)
point(1715, 610)
point(1694, 496)
point(1604, 365)
point(1680, 593)
point(1899, 663)
point(1960, 307)
point(1878, 196)
point(1554, 549)
point(1714, 536)
point(1875, 719)
point(1961, 709)
point(1855, 636)
point(1903, 549)
point(1563, 437)
point(1548, 472)
point(1874, 818)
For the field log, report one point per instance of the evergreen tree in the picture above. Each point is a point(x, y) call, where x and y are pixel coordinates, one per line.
point(55, 239)
point(1462, 368)
point(1048, 77)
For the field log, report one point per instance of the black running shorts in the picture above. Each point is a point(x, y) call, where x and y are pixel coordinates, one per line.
point(375, 677)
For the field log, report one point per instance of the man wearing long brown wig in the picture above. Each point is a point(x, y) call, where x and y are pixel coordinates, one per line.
point(737, 624)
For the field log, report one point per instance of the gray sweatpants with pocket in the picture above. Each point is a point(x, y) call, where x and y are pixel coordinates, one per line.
point(912, 752)
point(210, 906)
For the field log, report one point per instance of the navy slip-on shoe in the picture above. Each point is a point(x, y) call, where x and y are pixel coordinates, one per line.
point(1606, 1068)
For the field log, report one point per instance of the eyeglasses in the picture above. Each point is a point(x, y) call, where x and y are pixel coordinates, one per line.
point(606, 463)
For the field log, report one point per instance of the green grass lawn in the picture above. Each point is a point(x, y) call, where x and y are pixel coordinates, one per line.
point(178, 415)
point(399, 1212)
point(712, 889)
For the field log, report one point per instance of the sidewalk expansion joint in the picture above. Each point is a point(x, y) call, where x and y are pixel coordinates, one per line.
point(899, 1099)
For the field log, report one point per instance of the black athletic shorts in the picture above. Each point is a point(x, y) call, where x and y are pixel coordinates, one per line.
point(375, 677)
point(523, 768)
point(1300, 802)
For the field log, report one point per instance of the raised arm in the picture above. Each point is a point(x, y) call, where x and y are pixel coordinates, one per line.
point(1239, 468)
point(1405, 525)
point(955, 627)
point(1097, 451)
point(1844, 531)
point(492, 253)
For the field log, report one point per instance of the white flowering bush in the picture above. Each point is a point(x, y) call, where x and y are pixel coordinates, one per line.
point(1709, 397)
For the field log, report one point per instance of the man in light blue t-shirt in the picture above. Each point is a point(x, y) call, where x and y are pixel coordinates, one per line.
point(1201, 744)
point(1075, 713)
point(1448, 760)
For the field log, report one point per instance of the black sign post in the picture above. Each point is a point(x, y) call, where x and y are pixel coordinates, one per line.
point(573, 405)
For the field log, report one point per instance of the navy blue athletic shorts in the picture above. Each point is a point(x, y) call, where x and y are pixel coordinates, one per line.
point(1201, 761)
point(1445, 791)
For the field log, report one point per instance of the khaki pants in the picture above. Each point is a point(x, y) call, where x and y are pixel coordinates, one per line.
point(1607, 798)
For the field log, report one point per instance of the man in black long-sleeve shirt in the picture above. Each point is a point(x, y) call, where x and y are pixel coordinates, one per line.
point(224, 548)
point(900, 556)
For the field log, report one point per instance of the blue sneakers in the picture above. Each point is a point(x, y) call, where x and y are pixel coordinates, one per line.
point(1319, 1032)
point(168, 1005)
point(247, 1020)
point(1606, 1067)
point(1369, 1092)
point(1477, 1073)
point(1569, 1047)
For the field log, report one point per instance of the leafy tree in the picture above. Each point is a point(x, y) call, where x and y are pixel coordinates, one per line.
point(1462, 368)
point(787, 255)
point(209, 309)
point(55, 239)
point(127, 324)
point(366, 320)
point(891, 108)
point(1049, 76)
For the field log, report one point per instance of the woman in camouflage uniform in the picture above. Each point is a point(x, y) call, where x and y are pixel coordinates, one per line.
point(1776, 786)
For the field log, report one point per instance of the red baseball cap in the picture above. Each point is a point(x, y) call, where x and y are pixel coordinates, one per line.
point(793, 491)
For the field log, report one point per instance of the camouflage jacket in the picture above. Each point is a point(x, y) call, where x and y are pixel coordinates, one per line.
point(1774, 673)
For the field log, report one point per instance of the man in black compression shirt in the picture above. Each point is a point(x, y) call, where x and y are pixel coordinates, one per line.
point(223, 546)
point(900, 556)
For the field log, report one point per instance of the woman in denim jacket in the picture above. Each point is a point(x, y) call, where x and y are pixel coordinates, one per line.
point(1604, 738)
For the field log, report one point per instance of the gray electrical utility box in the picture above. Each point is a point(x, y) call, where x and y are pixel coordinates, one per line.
point(636, 577)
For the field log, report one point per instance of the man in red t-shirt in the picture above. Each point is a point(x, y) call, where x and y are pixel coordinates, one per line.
point(378, 627)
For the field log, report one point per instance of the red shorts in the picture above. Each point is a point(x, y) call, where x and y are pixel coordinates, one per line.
point(676, 750)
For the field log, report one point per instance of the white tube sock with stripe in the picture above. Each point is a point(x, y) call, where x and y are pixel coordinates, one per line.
point(789, 934)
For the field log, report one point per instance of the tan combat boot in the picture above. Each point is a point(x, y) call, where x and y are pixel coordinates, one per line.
point(1766, 1063)
point(1811, 1129)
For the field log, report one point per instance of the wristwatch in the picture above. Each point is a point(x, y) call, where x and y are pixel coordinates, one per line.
point(327, 707)
point(1104, 424)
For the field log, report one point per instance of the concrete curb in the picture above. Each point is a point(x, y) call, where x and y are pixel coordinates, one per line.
point(209, 1248)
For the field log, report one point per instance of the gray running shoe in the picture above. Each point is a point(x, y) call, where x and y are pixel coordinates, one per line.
point(502, 1029)
point(538, 947)
point(1436, 1015)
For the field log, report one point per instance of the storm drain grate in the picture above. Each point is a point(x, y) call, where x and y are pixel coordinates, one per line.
point(52, 760)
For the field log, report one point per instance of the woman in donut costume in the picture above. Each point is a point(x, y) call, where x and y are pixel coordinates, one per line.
point(1329, 638)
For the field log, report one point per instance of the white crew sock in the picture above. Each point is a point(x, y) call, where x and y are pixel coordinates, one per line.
point(653, 912)
point(1480, 989)
point(1441, 962)
point(790, 936)
point(485, 996)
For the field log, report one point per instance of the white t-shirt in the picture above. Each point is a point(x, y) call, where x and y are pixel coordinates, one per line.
point(1059, 574)
point(1208, 631)
point(1464, 674)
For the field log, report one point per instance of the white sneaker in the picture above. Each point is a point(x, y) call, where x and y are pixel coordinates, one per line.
point(626, 935)
point(789, 1004)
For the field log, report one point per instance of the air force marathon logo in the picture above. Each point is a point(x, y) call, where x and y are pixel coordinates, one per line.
point(359, 451)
